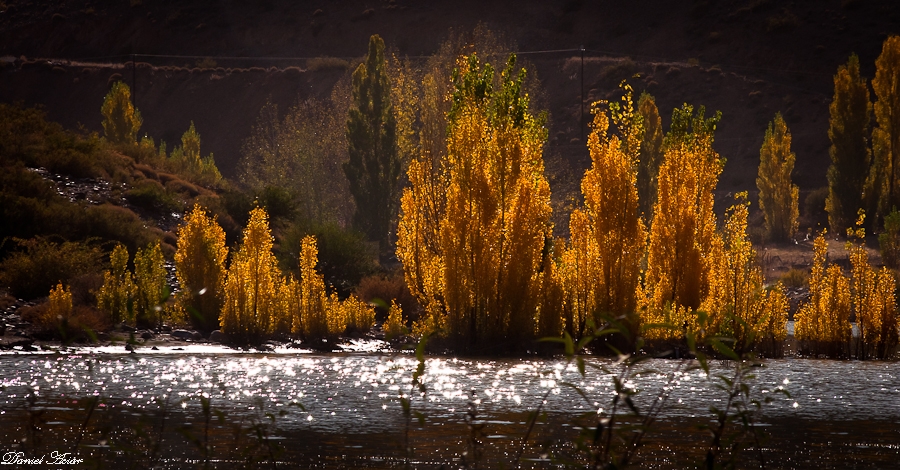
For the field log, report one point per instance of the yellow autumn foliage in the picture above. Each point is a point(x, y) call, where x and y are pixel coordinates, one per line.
point(872, 298)
point(251, 283)
point(737, 304)
point(778, 198)
point(311, 312)
point(683, 234)
point(121, 120)
point(312, 321)
point(116, 296)
point(481, 272)
point(59, 304)
point(607, 235)
point(151, 286)
point(822, 324)
point(200, 268)
point(350, 314)
point(394, 327)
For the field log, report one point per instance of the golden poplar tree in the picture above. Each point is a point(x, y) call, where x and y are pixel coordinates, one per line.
point(116, 296)
point(737, 303)
point(608, 230)
point(59, 306)
point(394, 327)
point(484, 274)
point(885, 178)
point(424, 199)
point(313, 319)
point(576, 274)
point(406, 95)
point(774, 330)
point(498, 210)
point(288, 308)
point(683, 232)
point(886, 318)
point(251, 283)
point(121, 120)
point(200, 268)
point(419, 248)
point(778, 198)
point(152, 288)
point(822, 324)
point(850, 112)
point(553, 315)
point(872, 299)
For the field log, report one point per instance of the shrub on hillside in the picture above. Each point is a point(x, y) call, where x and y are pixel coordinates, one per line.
point(27, 137)
point(25, 198)
point(344, 255)
point(109, 222)
point(150, 195)
point(389, 289)
point(82, 323)
point(795, 278)
point(41, 263)
point(60, 318)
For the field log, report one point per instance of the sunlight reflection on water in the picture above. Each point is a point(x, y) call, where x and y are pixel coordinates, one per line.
point(342, 392)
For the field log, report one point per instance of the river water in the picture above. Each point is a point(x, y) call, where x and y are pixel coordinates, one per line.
point(358, 394)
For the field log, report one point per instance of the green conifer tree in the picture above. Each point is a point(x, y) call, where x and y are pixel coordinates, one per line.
point(651, 154)
point(885, 176)
point(374, 166)
point(850, 114)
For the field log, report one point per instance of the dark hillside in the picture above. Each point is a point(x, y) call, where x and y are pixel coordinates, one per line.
point(748, 58)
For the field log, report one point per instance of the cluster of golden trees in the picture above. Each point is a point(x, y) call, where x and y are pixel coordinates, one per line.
point(259, 300)
point(822, 325)
point(645, 247)
point(136, 298)
point(250, 300)
point(475, 231)
point(475, 234)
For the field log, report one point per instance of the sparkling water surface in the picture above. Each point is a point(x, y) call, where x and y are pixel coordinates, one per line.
point(343, 392)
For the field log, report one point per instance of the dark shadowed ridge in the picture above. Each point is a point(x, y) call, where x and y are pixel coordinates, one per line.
point(748, 58)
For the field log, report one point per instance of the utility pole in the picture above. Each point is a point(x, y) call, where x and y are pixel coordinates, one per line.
point(581, 116)
point(133, 78)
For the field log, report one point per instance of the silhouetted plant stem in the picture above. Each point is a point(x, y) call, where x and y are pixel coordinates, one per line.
point(90, 411)
point(531, 422)
point(162, 427)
